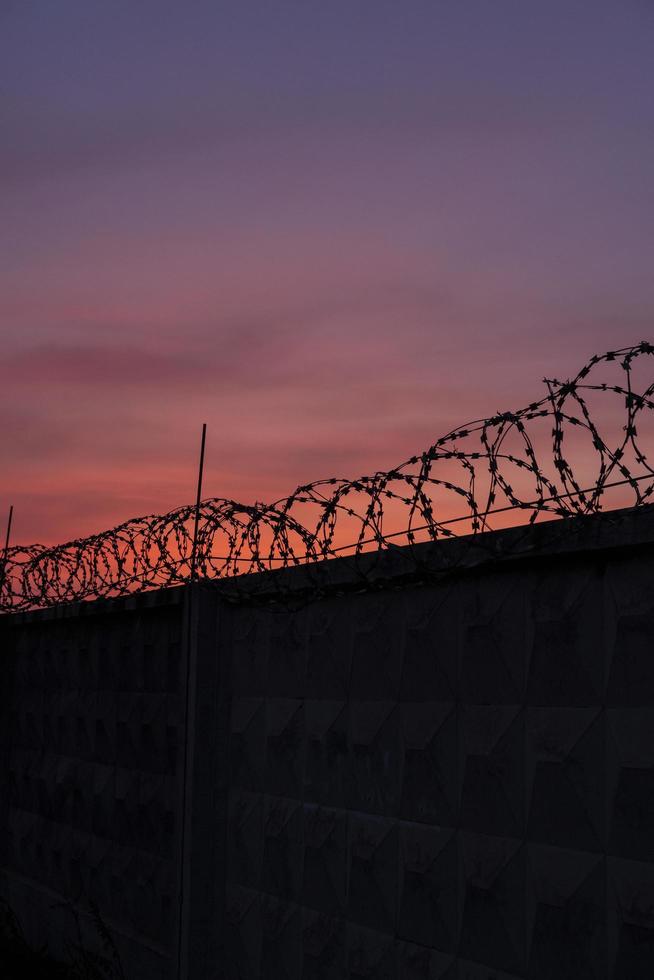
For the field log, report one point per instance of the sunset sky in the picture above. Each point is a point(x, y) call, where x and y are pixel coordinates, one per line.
point(332, 230)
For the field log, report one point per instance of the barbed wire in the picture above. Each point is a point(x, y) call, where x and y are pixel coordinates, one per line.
point(560, 456)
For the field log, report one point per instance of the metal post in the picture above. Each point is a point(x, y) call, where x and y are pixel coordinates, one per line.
point(6, 550)
point(194, 556)
point(190, 611)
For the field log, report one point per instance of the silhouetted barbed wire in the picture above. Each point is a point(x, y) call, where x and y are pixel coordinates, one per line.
point(559, 456)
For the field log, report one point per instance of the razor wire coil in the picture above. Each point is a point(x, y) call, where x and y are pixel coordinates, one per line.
point(509, 462)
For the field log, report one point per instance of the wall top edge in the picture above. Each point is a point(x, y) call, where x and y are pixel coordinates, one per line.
point(132, 602)
point(627, 530)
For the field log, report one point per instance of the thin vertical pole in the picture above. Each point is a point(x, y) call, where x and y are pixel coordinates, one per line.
point(194, 556)
point(6, 549)
point(190, 614)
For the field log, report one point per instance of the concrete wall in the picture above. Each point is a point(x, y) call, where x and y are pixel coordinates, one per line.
point(93, 734)
point(436, 780)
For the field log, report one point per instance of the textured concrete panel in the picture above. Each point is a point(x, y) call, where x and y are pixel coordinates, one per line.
point(463, 776)
point(90, 777)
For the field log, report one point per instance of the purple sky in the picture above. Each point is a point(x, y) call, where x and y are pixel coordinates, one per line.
point(331, 230)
